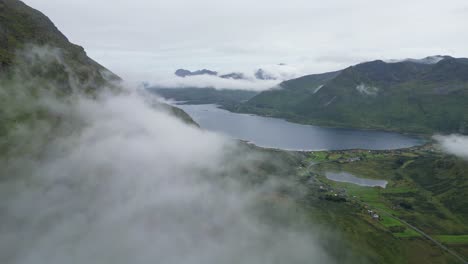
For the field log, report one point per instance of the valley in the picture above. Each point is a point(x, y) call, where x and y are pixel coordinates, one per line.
point(415, 209)
point(366, 164)
point(413, 205)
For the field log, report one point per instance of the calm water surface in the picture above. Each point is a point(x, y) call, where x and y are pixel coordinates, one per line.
point(348, 177)
point(278, 133)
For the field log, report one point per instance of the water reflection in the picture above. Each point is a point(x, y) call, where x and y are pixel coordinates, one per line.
point(278, 133)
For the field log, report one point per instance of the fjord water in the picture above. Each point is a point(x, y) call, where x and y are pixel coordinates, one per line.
point(350, 178)
point(277, 133)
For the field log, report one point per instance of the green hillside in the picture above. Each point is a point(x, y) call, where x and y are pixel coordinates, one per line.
point(403, 96)
point(426, 189)
point(37, 59)
point(223, 97)
point(41, 70)
point(22, 27)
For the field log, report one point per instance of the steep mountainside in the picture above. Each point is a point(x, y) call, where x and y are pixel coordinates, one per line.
point(22, 27)
point(403, 96)
point(36, 62)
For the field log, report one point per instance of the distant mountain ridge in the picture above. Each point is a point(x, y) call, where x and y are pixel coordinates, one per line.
point(260, 74)
point(184, 73)
point(234, 75)
point(224, 98)
point(421, 96)
point(427, 60)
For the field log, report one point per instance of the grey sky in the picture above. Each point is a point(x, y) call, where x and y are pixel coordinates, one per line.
point(147, 39)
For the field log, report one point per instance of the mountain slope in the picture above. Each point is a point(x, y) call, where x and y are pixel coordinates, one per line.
point(225, 98)
point(123, 186)
point(22, 27)
point(38, 63)
point(404, 96)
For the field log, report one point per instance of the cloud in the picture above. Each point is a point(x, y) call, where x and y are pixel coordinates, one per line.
point(240, 35)
point(279, 72)
point(116, 180)
point(454, 144)
point(137, 185)
point(204, 81)
point(282, 71)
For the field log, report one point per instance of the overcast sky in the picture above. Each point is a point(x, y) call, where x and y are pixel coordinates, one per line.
point(149, 39)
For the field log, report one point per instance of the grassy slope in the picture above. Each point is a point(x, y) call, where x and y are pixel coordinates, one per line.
point(22, 26)
point(385, 241)
point(369, 241)
point(37, 59)
point(225, 98)
point(294, 92)
point(181, 114)
point(426, 189)
point(411, 98)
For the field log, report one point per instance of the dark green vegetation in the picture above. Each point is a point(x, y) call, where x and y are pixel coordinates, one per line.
point(37, 60)
point(179, 113)
point(21, 27)
point(413, 201)
point(225, 98)
point(453, 239)
point(427, 190)
point(404, 96)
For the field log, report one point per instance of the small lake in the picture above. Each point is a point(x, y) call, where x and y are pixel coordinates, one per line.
point(350, 178)
point(277, 133)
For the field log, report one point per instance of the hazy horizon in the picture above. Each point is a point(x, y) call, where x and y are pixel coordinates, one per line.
point(148, 40)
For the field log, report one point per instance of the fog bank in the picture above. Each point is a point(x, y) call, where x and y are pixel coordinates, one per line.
point(122, 182)
point(207, 81)
point(277, 72)
point(454, 144)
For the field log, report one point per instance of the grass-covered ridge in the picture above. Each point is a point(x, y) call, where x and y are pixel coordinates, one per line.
point(426, 191)
point(222, 97)
point(404, 96)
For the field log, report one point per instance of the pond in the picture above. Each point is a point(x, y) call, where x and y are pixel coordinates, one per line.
point(350, 178)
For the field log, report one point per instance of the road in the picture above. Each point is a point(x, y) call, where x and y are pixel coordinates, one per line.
point(440, 245)
point(451, 252)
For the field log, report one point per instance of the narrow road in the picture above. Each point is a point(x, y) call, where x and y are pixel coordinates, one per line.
point(440, 245)
point(451, 252)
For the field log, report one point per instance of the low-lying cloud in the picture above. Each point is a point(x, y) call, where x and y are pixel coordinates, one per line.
point(115, 180)
point(204, 81)
point(137, 185)
point(231, 34)
point(278, 73)
point(454, 144)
